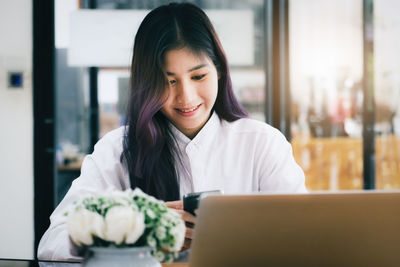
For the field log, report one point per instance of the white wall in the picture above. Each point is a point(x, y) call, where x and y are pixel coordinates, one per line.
point(16, 132)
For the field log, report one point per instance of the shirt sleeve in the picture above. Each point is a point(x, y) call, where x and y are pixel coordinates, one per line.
point(100, 171)
point(278, 170)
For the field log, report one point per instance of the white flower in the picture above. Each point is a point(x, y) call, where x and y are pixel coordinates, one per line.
point(123, 225)
point(151, 241)
point(161, 232)
point(139, 193)
point(151, 214)
point(83, 224)
point(159, 255)
point(164, 222)
point(123, 198)
point(178, 232)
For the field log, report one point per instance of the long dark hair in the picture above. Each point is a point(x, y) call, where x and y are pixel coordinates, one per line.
point(149, 147)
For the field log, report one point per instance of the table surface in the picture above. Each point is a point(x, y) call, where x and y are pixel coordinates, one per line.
point(34, 263)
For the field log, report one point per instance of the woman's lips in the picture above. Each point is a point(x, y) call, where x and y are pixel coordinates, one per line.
point(188, 111)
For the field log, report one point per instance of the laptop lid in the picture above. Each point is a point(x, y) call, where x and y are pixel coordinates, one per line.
point(342, 229)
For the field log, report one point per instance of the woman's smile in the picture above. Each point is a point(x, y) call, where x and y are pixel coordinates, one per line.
point(187, 112)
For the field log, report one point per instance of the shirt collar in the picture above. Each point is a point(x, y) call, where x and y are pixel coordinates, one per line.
point(205, 135)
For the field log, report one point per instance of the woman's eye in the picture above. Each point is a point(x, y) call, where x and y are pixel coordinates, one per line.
point(198, 77)
point(171, 81)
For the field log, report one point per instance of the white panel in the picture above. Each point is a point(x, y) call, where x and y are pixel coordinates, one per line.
point(16, 134)
point(105, 38)
point(62, 12)
point(235, 29)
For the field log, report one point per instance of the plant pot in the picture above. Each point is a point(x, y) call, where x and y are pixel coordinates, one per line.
point(113, 256)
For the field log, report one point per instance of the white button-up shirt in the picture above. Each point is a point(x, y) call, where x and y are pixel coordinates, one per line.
point(236, 157)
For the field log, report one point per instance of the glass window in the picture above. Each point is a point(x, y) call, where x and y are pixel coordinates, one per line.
point(113, 91)
point(71, 105)
point(387, 93)
point(326, 59)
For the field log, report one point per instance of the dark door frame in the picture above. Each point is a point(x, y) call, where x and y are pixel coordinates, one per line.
point(276, 47)
point(368, 114)
point(44, 115)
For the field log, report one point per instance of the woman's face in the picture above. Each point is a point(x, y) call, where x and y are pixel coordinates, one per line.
point(191, 90)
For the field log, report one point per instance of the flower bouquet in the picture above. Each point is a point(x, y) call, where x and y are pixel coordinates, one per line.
point(127, 219)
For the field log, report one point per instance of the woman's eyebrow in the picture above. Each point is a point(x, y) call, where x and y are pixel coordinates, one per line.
point(191, 69)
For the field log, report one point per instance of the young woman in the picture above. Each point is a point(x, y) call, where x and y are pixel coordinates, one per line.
point(185, 130)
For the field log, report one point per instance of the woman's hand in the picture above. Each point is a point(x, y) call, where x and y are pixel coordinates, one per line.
point(189, 221)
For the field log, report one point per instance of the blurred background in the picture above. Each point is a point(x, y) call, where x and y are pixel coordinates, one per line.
point(326, 73)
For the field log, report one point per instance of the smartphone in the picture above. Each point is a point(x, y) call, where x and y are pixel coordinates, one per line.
point(191, 200)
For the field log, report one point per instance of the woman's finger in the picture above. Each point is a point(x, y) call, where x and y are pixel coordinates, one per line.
point(189, 233)
point(178, 205)
point(190, 225)
point(186, 216)
point(186, 244)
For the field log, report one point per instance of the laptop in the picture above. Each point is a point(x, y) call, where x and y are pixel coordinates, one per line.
point(334, 229)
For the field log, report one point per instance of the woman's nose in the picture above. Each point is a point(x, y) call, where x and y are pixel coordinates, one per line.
point(185, 93)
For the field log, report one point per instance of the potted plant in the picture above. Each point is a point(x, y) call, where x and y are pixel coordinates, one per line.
point(125, 228)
